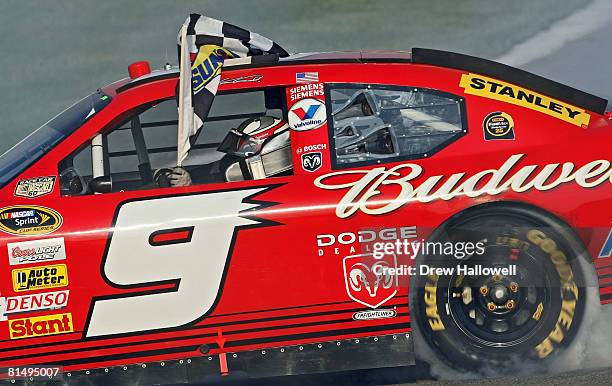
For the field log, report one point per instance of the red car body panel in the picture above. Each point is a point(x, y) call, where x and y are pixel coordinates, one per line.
point(279, 289)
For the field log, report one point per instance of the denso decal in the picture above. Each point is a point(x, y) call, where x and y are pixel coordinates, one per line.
point(307, 114)
point(35, 187)
point(362, 193)
point(606, 249)
point(306, 91)
point(35, 278)
point(35, 302)
point(496, 89)
point(366, 282)
point(41, 326)
point(27, 220)
point(36, 251)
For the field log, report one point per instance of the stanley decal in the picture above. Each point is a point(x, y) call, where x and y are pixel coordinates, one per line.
point(496, 89)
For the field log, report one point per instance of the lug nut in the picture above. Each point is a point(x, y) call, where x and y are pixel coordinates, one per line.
point(491, 306)
point(497, 278)
point(514, 287)
point(484, 290)
point(510, 304)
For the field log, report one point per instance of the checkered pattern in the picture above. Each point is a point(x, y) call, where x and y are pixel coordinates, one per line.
point(212, 44)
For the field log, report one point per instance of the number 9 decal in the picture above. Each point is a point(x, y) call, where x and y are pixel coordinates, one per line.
point(195, 263)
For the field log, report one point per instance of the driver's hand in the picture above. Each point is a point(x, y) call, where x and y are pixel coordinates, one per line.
point(179, 177)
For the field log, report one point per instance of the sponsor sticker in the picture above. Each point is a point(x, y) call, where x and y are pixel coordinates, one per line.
point(242, 79)
point(312, 162)
point(307, 114)
point(41, 326)
point(486, 87)
point(498, 125)
point(35, 187)
point(36, 251)
point(374, 314)
point(306, 91)
point(35, 278)
point(306, 77)
point(307, 148)
point(35, 302)
point(368, 280)
point(28, 220)
point(606, 249)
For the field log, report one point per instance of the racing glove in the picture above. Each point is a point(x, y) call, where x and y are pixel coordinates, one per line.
point(179, 177)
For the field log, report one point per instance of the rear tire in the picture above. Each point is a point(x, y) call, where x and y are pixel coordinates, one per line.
point(491, 324)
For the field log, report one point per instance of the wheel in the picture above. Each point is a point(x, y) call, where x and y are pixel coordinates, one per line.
point(498, 322)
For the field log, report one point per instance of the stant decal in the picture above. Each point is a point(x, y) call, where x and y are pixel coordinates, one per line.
point(35, 278)
point(496, 89)
point(41, 326)
point(498, 125)
point(307, 114)
point(311, 162)
point(35, 187)
point(306, 91)
point(36, 251)
point(28, 220)
point(35, 302)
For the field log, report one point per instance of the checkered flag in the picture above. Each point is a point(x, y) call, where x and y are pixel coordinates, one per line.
point(209, 45)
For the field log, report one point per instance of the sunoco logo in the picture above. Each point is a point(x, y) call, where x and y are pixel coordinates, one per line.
point(27, 220)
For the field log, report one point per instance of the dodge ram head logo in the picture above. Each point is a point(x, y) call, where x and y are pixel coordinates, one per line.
point(368, 280)
point(312, 161)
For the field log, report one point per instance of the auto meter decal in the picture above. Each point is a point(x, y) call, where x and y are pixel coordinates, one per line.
point(498, 125)
point(496, 89)
point(369, 280)
point(35, 278)
point(366, 185)
point(35, 187)
point(28, 220)
point(307, 114)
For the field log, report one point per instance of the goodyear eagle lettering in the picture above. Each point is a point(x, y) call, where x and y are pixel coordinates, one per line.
point(495, 89)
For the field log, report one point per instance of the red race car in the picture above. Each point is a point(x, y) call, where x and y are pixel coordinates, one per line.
point(338, 211)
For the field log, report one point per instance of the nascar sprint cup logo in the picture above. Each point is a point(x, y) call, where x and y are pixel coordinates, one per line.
point(27, 220)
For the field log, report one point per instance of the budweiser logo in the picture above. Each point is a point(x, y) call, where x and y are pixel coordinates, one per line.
point(364, 193)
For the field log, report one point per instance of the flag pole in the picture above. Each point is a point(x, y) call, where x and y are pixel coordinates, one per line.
point(184, 97)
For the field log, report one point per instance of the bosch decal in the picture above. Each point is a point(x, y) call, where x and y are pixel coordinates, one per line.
point(35, 251)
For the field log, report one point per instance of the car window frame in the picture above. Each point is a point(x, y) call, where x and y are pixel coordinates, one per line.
point(328, 87)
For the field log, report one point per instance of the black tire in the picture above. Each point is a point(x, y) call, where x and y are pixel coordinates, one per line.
point(458, 322)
